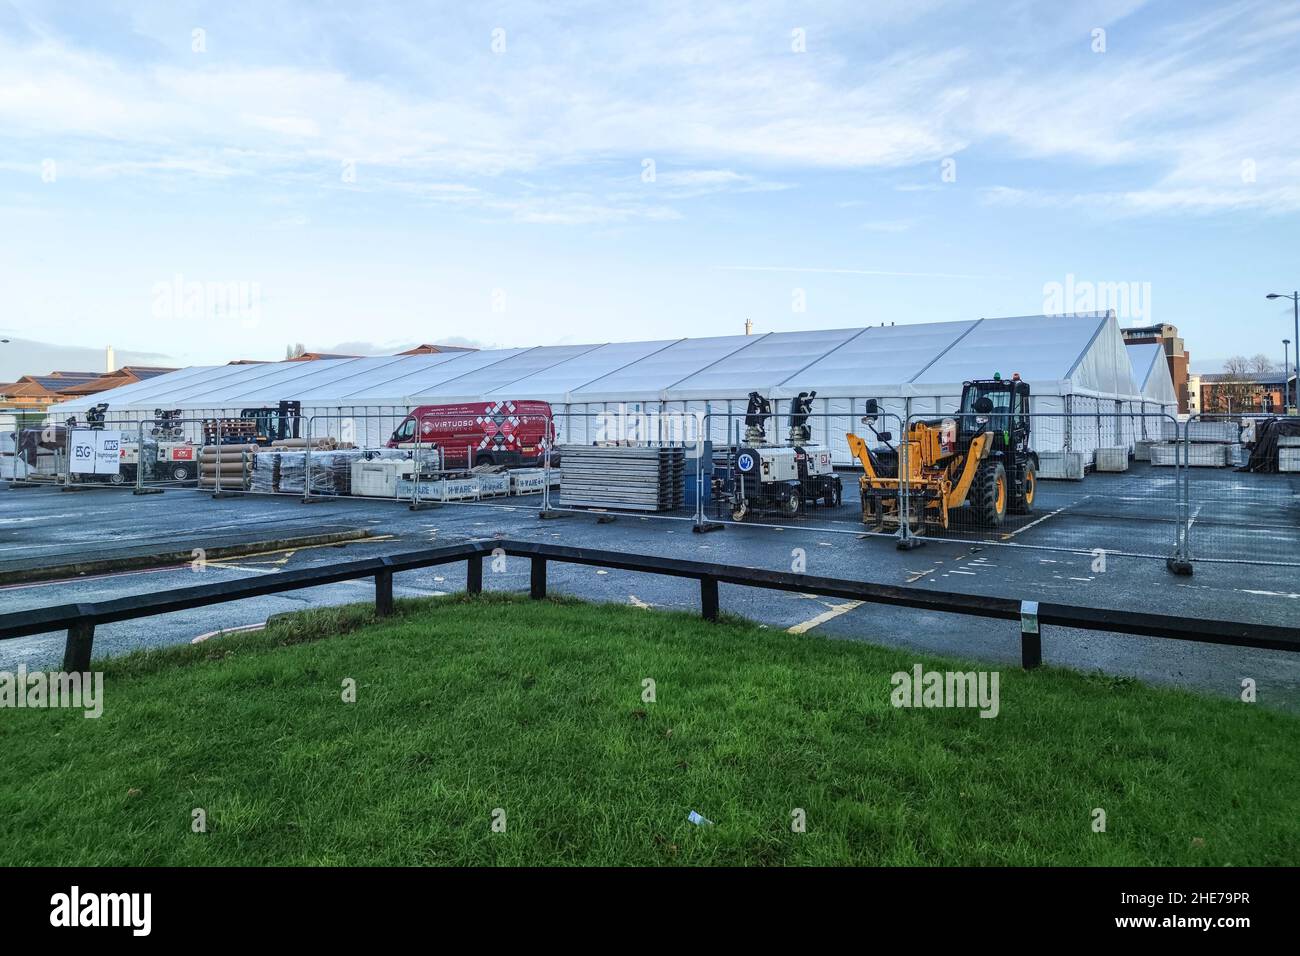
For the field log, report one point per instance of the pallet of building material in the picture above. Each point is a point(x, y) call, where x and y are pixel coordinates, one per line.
point(529, 481)
point(493, 485)
point(1064, 465)
point(331, 471)
point(265, 477)
point(1288, 458)
point(1111, 459)
point(323, 443)
point(231, 463)
point(12, 468)
point(635, 478)
point(378, 477)
point(1199, 455)
point(1142, 450)
point(1198, 430)
point(1288, 441)
point(440, 489)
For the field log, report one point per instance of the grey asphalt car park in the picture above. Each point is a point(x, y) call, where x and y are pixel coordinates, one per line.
point(44, 526)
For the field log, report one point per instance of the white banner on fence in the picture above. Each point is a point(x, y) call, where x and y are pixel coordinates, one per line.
point(95, 451)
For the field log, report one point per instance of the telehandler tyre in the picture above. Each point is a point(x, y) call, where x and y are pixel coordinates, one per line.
point(989, 495)
point(1023, 502)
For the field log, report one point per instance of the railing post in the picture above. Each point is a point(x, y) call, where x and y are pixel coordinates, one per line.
point(81, 641)
point(709, 598)
point(474, 575)
point(537, 579)
point(306, 471)
point(383, 593)
point(1031, 642)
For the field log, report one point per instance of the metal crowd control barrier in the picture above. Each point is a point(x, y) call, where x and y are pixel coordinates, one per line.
point(81, 620)
point(1132, 483)
point(1087, 497)
point(1241, 485)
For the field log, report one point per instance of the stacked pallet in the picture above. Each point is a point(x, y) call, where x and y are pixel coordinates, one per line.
point(630, 477)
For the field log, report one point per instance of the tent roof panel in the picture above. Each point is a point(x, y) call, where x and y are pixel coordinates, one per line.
point(500, 376)
point(652, 376)
point(431, 371)
point(557, 382)
point(378, 380)
point(879, 356)
point(762, 365)
point(1079, 351)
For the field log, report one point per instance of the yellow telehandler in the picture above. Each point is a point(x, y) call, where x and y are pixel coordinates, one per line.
point(978, 460)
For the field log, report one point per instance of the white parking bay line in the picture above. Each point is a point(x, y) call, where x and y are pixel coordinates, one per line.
point(1050, 514)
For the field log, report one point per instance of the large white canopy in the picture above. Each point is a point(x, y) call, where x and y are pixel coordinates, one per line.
point(1151, 373)
point(1058, 355)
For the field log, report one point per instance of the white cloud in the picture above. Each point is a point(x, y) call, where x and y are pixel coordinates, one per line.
point(715, 95)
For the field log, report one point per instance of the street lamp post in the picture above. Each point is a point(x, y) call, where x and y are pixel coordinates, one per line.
point(1295, 307)
point(1286, 381)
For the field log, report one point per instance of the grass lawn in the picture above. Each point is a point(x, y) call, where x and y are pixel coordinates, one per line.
point(468, 705)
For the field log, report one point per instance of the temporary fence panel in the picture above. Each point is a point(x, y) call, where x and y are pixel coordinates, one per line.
point(1237, 515)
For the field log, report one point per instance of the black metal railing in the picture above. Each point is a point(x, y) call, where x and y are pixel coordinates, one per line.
point(81, 620)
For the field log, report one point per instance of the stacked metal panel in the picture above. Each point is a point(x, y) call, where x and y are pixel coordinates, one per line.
point(636, 478)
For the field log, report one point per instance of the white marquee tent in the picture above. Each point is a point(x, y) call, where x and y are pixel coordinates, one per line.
point(1151, 374)
point(1076, 364)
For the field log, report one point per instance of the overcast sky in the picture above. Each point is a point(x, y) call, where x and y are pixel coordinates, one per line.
point(204, 182)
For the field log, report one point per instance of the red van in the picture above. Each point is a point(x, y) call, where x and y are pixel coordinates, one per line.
point(481, 433)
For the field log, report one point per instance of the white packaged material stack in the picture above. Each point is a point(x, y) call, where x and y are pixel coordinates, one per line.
point(378, 478)
point(1197, 430)
point(1142, 450)
point(1067, 465)
point(1288, 458)
point(1204, 455)
point(1112, 459)
point(12, 468)
point(1288, 441)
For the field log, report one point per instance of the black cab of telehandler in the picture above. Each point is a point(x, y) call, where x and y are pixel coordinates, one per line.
point(1001, 407)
